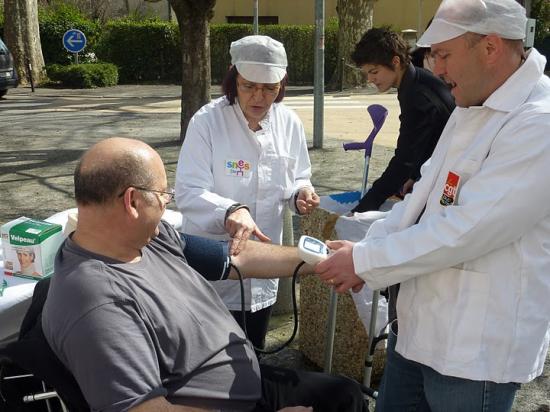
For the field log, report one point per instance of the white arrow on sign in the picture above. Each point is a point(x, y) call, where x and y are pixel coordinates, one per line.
point(71, 40)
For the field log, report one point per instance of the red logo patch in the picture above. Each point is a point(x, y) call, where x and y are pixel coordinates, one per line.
point(450, 190)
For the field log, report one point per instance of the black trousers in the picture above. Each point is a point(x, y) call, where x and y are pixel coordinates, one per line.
point(283, 387)
point(256, 324)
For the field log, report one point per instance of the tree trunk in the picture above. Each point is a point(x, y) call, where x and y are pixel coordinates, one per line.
point(23, 39)
point(127, 7)
point(193, 18)
point(355, 17)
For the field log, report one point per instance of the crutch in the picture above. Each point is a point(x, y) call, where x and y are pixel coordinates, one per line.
point(378, 114)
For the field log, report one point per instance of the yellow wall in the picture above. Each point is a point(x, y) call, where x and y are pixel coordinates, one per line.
point(400, 14)
point(403, 14)
point(289, 11)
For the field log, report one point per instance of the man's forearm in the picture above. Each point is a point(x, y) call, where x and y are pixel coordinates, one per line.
point(265, 260)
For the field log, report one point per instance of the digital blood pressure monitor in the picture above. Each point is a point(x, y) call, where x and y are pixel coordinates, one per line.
point(312, 250)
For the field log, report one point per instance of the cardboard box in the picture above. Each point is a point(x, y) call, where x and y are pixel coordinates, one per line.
point(30, 247)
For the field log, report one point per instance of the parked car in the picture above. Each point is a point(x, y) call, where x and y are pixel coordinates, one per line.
point(8, 75)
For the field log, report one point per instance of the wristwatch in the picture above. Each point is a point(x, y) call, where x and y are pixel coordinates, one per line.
point(296, 203)
point(234, 207)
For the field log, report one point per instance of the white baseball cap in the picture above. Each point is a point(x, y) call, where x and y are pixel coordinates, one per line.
point(259, 59)
point(505, 18)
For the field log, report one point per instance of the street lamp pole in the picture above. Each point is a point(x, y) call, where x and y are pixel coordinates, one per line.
point(419, 26)
point(256, 30)
point(319, 76)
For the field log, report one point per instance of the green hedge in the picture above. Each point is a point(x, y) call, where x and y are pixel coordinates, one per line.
point(54, 22)
point(84, 76)
point(144, 51)
point(150, 50)
point(299, 44)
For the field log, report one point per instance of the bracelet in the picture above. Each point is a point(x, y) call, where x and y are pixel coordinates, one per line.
point(233, 208)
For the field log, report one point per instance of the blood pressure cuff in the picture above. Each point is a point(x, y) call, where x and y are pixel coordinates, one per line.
point(207, 256)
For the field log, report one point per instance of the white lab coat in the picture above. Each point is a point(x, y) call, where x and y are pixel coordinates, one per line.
point(223, 162)
point(475, 276)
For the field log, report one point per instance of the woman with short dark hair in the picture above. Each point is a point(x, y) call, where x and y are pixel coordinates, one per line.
point(425, 102)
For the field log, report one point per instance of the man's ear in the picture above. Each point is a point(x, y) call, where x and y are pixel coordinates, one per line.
point(494, 47)
point(131, 202)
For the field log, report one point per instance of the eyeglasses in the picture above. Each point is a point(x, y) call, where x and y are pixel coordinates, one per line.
point(166, 196)
point(267, 90)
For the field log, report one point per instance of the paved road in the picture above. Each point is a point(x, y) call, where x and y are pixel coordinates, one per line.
point(43, 134)
point(345, 116)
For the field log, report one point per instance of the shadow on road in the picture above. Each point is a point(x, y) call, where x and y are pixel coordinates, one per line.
point(17, 161)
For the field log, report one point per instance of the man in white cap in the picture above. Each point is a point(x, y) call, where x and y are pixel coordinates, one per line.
point(244, 157)
point(470, 244)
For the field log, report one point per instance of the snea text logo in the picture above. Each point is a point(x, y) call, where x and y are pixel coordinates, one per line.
point(450, 190)
point(237, 168)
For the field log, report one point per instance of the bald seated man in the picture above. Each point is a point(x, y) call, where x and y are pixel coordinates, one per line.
point(136, 324)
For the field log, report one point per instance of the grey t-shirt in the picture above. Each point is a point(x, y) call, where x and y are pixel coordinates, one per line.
point(134, 331)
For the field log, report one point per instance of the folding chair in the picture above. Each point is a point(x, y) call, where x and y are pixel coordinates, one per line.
point(32, 353)
point(378, 114)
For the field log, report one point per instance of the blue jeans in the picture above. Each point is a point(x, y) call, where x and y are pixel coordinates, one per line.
point(411, 386)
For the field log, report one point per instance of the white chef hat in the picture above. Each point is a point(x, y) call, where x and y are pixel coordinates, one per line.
point(505, 18)
point(259, 59)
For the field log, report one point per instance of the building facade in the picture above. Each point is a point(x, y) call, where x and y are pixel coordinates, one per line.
point(399, 14)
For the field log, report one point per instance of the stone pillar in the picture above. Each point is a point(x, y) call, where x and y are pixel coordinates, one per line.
point(351, 339)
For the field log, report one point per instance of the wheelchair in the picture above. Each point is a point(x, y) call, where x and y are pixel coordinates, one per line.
point(29, 364)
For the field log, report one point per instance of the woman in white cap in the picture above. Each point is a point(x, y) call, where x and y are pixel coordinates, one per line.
point(244, 157)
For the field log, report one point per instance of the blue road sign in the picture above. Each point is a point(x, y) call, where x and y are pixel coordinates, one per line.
point(74, 40)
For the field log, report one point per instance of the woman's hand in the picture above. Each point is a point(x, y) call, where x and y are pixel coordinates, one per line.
point(307, 200)
point(240, 227)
